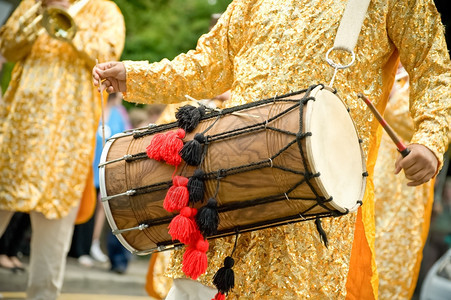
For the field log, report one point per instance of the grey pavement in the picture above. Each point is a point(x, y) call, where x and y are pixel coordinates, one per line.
point(79, 279)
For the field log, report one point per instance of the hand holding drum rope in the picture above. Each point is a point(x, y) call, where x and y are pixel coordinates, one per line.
point(401, 147)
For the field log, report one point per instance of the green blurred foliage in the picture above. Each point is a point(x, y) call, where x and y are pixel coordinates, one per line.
point(158, 29)
point(5, 75)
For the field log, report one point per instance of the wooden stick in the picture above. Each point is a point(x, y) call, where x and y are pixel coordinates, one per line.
point(103, 108)
point(401, 147)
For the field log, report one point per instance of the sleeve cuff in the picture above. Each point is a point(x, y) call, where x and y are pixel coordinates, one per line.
point(134, 80)
point(433, 145)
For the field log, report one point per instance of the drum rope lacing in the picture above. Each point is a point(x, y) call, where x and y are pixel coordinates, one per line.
point(270, 162)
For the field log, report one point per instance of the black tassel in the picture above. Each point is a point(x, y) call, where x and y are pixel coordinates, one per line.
point(322, 233)
point(191, 152)
point(224, 279)
point(207, 218)
point(196, 186)
point(188, 117)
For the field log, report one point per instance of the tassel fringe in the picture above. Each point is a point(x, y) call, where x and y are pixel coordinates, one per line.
point(224, 279)
point(322, 233)
point(188, 117)
point(183, 226)
point(154, 149)
point(172, 146)
point(208, 218)
point(191, 152)
point(196, 186)
point(194, 261)
point(219, 296)
point(166, 146)
point(177, 196)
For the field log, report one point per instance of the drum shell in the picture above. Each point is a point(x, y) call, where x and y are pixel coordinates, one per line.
point(243, 198)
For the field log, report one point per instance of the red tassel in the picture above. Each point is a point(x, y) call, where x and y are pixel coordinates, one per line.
point(177, 196)
point(172, 146)
point(183, 227)
point(219, 296)
point(154, 148)
point(195, 259)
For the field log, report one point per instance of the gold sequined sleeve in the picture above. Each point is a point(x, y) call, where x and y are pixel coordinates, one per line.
point(416, 30)
point(106, 42)
point(14, 43)
point(200, 73)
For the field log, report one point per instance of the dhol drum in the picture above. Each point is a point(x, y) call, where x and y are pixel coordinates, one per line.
point(271, 162)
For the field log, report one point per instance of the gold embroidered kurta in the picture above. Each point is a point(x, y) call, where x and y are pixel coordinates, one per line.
point(51, 110)
point(402, 212)
point(261, 48)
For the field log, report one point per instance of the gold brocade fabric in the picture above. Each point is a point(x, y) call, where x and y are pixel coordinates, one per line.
point(51, 110)
point(161, 284)
point(260, 48)
point(402, 213)
point(168, 114)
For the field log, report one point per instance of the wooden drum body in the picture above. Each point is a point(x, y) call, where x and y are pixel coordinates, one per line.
point(272, 162)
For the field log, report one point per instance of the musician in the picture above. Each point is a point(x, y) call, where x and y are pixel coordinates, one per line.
point(402, 213)
point(48, 122)
point(262, 48)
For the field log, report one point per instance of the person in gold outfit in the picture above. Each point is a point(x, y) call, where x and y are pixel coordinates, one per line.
point(402, 213)
point(262, 48)
point(48, 121)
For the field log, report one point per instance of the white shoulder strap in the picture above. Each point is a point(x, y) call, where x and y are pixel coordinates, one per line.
point(76, 7)
point(351, 24)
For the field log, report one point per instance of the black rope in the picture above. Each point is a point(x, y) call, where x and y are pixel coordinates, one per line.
point(225, 111)
point(236, 240)
point(308, 176)
point(211, 125)
point(156, 129)
point(223, 135)
point(136, 156)
point(259, 225)
point(152, 188)
point(250, 128)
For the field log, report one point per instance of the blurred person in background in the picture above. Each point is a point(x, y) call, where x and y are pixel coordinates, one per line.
point(439, 237)
point(154, 112)
point(12, 240)
point(138, 117)
point(17, 229)
point(118, 116)
point(402, 213)
point(49, 117)
point(86, 238)
point(142, 117)
point(115, 120)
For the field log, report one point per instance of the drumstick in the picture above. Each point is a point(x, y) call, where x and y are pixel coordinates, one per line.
point(101, 101)
point(401, 147)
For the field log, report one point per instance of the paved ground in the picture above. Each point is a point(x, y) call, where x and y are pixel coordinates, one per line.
point(82, 283)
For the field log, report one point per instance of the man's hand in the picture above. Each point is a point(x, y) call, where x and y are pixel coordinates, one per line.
point(419, 166)
point(110, 76)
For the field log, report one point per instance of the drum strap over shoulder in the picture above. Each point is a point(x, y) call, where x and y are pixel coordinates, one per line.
point(348, 33)
point(351, 24)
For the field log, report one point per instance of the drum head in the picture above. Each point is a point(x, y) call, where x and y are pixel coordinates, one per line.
point(334, 150)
